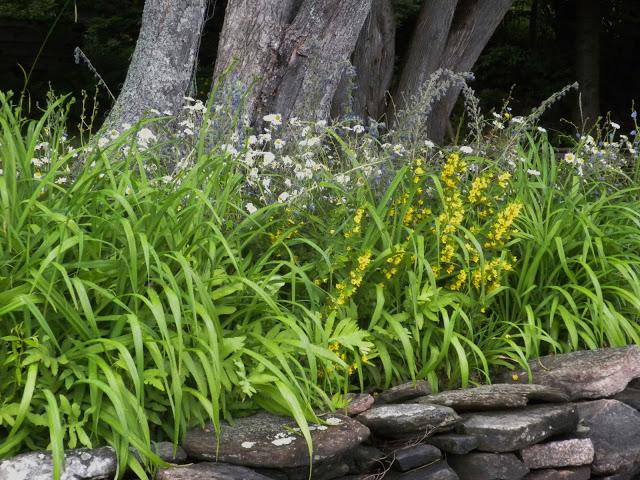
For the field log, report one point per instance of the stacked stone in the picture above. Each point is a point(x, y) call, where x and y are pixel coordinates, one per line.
point(580, 420)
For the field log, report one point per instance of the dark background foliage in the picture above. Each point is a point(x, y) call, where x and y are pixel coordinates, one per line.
point(532, 54)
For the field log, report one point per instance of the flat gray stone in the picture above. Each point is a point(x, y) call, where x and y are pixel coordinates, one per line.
point(165, 451)
point(563, 453)
point(496, 397)
point(488, 466)
point(397, 420)
point(437, 471)
point(614, 429)
point(404, 392)
point(270, 441)
point(367, 459)
point(630, 396)
point(358, 403)
point(457, 443)
point(81, 463)
point(584, 374)
point(209, 471)
point(414, 456)
point(574, 473)
point(512, 430)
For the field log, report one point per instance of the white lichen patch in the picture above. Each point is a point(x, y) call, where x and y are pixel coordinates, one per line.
point(247, 444)
point(278, 442)
point(333, 421)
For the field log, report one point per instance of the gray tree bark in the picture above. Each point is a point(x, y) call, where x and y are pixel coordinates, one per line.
point(471, 24)
point(588, 18)
point(363, 91)
point(163, 62)
point(296, 58)
point(248, 52)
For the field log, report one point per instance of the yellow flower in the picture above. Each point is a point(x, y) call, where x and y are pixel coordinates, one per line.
point(500, 229)
point(503, 179)
point(478, 186)
point(461, 279)
point(364, 260)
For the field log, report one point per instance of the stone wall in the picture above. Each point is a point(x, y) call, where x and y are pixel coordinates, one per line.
point(579, 420)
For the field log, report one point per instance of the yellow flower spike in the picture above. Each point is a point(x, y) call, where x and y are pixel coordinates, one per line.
point(461, 278)
point(503, 179)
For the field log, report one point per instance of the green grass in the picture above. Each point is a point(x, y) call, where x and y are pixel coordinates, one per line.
point(132, 309)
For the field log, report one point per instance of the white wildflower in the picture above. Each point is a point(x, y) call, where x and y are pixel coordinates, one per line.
point(321, 123)
point(264, 138)
point(145, 137)
point(517, 120)
point(305, 131)
point(614, 125)
point(283, 197)
point(188, 132)
point(252, 140)
point(398, 149)
point(342, 179)
point(268, 158)
point(37, 162)
point(358, 129)
point(569, 157)
point(103, 142)
point(229, 149)
point(251, 208)
point(273, 118)
point(279, 144)
point(466, 149)
point(266, 182)
point(187, 123)
point(535, 173)
point(498, 124)
point(429, 144)
point(542, 130)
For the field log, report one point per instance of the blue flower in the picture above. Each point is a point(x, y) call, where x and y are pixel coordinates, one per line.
point(634, 114)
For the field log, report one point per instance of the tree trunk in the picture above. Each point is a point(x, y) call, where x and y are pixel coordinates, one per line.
point(363, 91)
point(588, 19)
point(471, 24)
point(426, 49)
point(248, 52)
point(163, 61)
point(294, 60)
